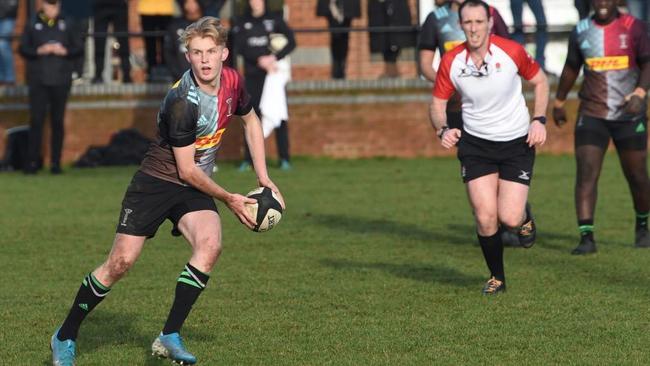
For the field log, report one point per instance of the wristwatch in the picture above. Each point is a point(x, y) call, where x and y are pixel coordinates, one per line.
point(541, 119)
point(442, 131)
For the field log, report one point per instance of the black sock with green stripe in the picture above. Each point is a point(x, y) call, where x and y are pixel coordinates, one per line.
point(189, 286)
point(642, 220)
point(586, 228)
point(91, 293)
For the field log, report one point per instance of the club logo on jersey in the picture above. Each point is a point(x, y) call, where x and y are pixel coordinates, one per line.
point(268, 25)
point(206, 142)
point(449, 45)
point(623, 39)
point(229, 102)
point(608, 63)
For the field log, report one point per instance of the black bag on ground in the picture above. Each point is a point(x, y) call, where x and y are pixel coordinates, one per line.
point(16, 148)
point(127, 147)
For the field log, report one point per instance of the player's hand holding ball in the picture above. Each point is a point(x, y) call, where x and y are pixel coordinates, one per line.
point(267, 209)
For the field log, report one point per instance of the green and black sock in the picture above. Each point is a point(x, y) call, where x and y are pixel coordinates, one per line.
point(91, 293)
point(586, 228)
point(189, 286)
point(642, 220)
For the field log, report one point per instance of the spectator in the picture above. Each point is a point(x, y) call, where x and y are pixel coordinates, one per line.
point(517, 8)
point(50, 47)
point(339, 14)
point(113, 12)
point(389, 13)
point(212, 8)
point(155, 16)
point(8, 10)
point(583, 8)
point(175, 49)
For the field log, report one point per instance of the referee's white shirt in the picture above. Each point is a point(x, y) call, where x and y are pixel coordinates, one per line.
point(493, 105)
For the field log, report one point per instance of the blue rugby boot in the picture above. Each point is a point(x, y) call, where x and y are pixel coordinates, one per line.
point(171, 346)
point(63, 352)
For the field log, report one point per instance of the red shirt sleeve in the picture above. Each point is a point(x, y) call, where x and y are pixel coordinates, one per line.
point(526, 64)
point(444, 88)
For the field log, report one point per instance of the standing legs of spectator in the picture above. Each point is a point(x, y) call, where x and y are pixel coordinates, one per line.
point(339, 46)
point(7, 73)
point(40, 98)
point(517, 8)
point(282, 140)
point(154, 44)
point(118, 16)
point(390, 61)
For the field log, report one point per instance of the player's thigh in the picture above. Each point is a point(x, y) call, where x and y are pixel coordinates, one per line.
point(202, 229)
point(512, 199)
point(482, 193)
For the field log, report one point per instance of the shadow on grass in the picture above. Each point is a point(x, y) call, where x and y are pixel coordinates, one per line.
point(424, 273)
point(455, 234)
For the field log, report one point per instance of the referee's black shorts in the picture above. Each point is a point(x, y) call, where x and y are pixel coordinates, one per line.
point(149, 201)
point(512, 160)
point(627, 135)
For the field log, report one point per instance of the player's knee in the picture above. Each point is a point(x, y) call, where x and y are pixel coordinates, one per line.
point(209, 249)
point(118, 267)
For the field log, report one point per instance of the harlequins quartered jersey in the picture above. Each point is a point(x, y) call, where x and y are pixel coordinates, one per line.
point(190, 116)
point(611, 55)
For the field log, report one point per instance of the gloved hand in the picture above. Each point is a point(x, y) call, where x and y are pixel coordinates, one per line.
point(559, 116)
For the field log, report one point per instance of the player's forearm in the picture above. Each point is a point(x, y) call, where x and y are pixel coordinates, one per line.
point(438, 114)
point(541, 98)
point(255, 141)
point(567, 79)
point(196, 178)
point(644, 78)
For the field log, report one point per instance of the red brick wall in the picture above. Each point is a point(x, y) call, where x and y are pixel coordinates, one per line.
point(340, 131)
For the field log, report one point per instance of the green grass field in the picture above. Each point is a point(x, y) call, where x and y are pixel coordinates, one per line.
point(374, 263)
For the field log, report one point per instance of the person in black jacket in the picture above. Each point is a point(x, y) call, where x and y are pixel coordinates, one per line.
point(8, 11)
point(49, 46)
point(252, 36)
point(389, 13)
point(173, 47)
point(339, 14)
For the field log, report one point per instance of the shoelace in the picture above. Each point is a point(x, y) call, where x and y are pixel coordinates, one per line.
point(526, 228)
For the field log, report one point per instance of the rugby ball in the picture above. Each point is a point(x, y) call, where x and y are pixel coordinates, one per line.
point(267, 211)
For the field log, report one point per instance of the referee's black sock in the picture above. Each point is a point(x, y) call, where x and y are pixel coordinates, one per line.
point(586, 228)
point(189, 286)
point(91, 293)
point(642, 220)
point(492, 248)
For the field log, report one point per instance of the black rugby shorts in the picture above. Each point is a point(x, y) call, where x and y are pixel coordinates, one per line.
point(627, 135)
point(148, 201)
point(512, 160)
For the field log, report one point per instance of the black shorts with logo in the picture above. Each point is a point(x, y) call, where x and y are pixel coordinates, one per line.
point(627, 135)
point(148, 201)
point(512, 160)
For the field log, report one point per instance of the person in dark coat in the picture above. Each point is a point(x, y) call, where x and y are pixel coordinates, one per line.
point(50, 47)
point(389, 13)
point(173, 46)
point(339, 14)
point(252, 38)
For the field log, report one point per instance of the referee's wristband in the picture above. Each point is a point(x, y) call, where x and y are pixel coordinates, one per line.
point(442, 131)
point(540, 119)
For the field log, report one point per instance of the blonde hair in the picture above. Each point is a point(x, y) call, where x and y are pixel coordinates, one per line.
point(205, 27)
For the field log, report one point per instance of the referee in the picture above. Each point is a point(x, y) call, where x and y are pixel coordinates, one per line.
point(496, 146)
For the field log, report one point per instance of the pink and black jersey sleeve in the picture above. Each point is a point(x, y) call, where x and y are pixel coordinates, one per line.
point(526, 65)
point(641, 39)
point(244, 105)
point(499, 26)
